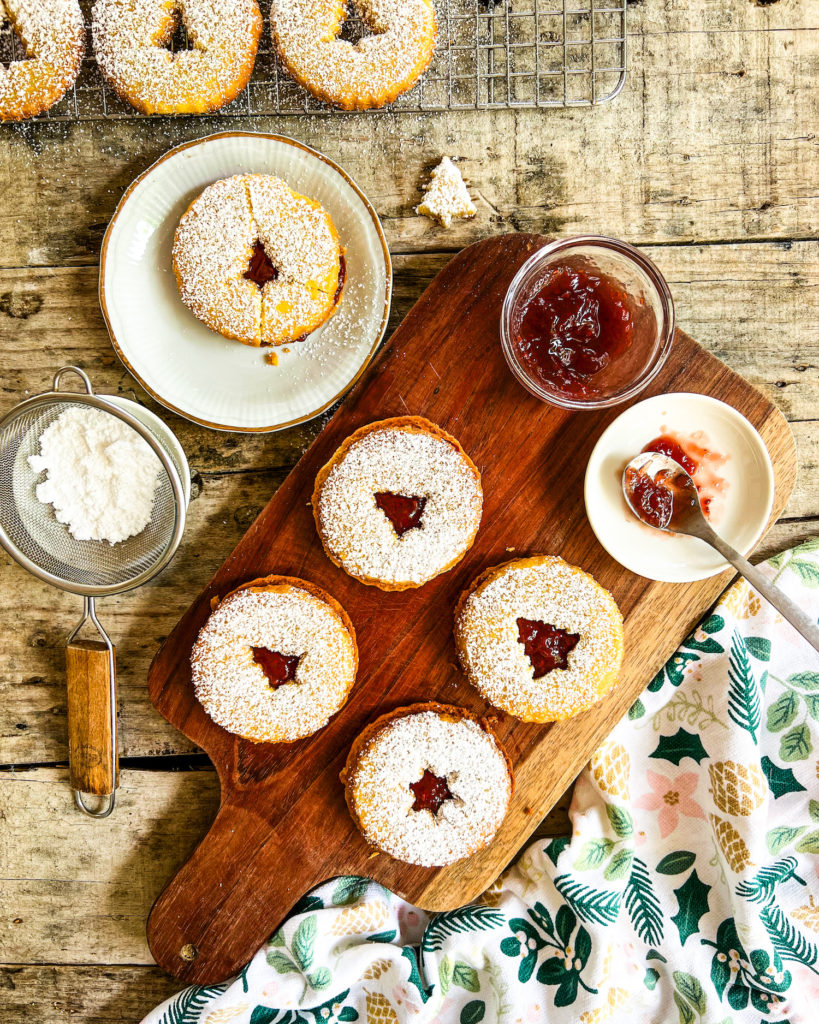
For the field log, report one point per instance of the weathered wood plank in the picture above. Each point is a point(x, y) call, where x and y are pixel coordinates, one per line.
point(712, 138)
point(77, 891)
point(66, 995)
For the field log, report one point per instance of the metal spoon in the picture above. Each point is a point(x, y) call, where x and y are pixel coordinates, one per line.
point(674, 506)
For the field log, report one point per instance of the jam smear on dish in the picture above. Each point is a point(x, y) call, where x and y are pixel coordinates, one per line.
point(430, 792)
point(546, 646)
point(575, 326)
point(279, 668)
point(342, 277)
point(404, 513)
point(261, 269)
point(674, 449)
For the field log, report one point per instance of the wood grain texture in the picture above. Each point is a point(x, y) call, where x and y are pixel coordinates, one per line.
point(79, 892)
point(91, 746)
point(444, 362)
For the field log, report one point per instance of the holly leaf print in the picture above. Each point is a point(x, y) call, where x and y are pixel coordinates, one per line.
point(780, 780)
point(303, 941)
point(782, 712)
point(759, 647)
point(796, 744)
point(681, 744)
point(554, 849)
point(677, 862)
point(692, 903)
point(743, 693)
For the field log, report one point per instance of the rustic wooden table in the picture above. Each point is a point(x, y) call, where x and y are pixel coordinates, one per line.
point(709, 159)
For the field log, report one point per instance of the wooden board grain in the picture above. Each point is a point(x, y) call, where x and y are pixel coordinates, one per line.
point(282, 825)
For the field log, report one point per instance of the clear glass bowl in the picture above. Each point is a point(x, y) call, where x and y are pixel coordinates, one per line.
point(653, 312)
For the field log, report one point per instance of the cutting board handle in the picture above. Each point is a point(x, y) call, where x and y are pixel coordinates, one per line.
point(215, 912)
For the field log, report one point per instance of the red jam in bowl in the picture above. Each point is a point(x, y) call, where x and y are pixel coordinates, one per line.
point(573, 329)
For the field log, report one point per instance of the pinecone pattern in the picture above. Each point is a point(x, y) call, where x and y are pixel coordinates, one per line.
point(733, 846)
point(364, 917)
point(737, 788)
point(380, 1010)
point(616, 998)
point(808, 915)
point(740, 601)
point(376, 969)
point(611, 767)
point(226, 1014)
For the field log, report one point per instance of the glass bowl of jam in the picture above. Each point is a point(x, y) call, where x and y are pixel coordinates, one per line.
point(587, 322)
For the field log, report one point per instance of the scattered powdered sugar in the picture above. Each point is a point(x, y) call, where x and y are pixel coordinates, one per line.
point(446, 195)
point(459, 751)
point(546, 590)
point(368, 73)
point(212, 250)
point(234, 689)
point(409, 463)
point(53, 35)
point(101, 475)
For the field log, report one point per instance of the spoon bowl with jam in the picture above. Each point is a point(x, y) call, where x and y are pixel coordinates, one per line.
point(587, 322)
point(662, 494)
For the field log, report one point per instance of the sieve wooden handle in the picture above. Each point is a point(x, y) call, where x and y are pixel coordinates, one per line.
point(92, 748)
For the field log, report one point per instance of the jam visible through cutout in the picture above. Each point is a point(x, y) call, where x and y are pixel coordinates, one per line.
point(429, 792)
point(404, 513)
point(546, 646)
point(279, 668)
point(574, 327)
point(261, 269)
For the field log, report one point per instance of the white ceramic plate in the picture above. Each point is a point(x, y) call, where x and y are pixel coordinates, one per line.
point(187, 367)
point(740, 512)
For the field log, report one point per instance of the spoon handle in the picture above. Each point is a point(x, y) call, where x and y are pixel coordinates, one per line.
point(787, 608)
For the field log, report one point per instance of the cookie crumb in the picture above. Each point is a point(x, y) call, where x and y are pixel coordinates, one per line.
point(446, 196)
point(272, 358)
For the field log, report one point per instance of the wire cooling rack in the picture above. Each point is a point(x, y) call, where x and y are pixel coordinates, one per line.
point(490, 54)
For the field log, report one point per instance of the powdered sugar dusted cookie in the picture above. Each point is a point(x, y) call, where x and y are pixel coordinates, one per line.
point(428, 784)
point(446, 196)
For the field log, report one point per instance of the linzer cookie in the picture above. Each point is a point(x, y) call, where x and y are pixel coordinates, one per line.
point(540, 638)
point(257, 262)
point(54, 38)
point(428, 784)
point(399, 503)
point(275, 660)
point(375, 70)
point(131, 40)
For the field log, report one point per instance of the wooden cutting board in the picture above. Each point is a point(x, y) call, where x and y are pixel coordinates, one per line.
point(283, 824)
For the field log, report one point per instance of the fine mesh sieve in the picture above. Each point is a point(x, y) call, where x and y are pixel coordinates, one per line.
point(31, 534)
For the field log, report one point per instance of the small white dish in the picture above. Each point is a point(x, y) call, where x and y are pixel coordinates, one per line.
point(745, 499)
point(190, 369)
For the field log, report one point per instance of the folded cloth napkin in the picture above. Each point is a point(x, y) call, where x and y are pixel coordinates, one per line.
point(688, 890)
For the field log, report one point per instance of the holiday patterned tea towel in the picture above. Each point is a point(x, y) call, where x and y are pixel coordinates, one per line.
point(688, 890)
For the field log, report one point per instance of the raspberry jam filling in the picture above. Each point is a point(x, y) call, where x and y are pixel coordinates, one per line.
point(575, 327)
point(546, 646)
point(261, 269)
point(404, 513)
point(430, 792)
point(279, 668)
